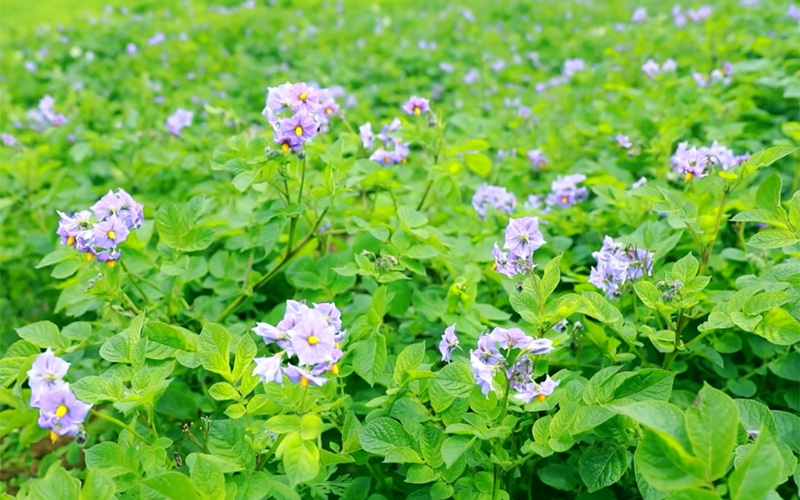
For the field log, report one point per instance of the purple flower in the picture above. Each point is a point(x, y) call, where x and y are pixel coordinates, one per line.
point(448, 343)
point(493, 196)
point(122, 205)
point(269, 369)
point(156, 39)
point(301, 125)
point(330, 314)
point(471, 77)
point(519, 375)
point(617, 265)
point(61, 412)
point(8, 140)
point(302, 98)
point(700, 14)
point(537, 158)
point(367, 137)
point(416, 106)
point(287, 142)
point(29, 66)
point(110, 232)
point(543, 346)
point(512, 338)
point(523, 236)
point(46, 374)
point(131, 49)
point(572, 66)
point(47, 110)
point(565, 191)
point(383, 157)
point(669, 66)
point(305, 378)
point(639, 15)
point(793, 12)
point(312, 339)
point(651, 68)
point(269, 333)
point(535, 201)
point(624, 141)
point(178, 121)
point(482, 372)
point(538, 391)
point(69, 227)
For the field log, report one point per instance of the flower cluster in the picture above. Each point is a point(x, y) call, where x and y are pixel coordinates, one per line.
point(493, 196)
point(387, 137)
point(416, 106)
point(565, 192)
point(652, 68)
point(537, 158)
point(696, 15)
point(618, 264)
point(624, 141)
point(59, 409)
point(312, 335)
point(572, 66)
point(98, 231)
point(297, 112)
point(522, 238)
point(178, 121)
point(45, 115)
point(697, 162)
point(487, 360)
point(639, 15)
point(8, 140)
point(723, 75)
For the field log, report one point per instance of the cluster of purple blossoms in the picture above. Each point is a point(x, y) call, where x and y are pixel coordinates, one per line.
point(59, 409)
point(487, 360)
point(639, 15)
point(572, 66)
point(565, 192)
point(793, 12)
point(45, 115)
point(312, 335)
point(624, 141)
point(618, 264)
point(697, 162)
point(8, 140)
point(696, 15)
point(652, 68)
point(297, 112)
point(493, 196)
point(178, 121)
point(537, 159)
point(717, 75)
point(98, 231)
point(522, 238)
point(384, 155)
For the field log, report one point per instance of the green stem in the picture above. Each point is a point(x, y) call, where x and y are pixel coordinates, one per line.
point(120, 424)
point(271, 451)
point(707, 251)
point(129, 303)
point(440, 141)
point(131, 277)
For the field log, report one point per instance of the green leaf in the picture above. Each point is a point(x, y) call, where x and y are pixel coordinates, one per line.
point(168, 335)
point(56, 484)
point(759, 472)
point(369, 358)
point(768, 196)
point(764, 301)
point(411, 217)
point(648, 293)
point(660, 416)
point(649, 383)
point(598, 307)
point(602, 466)
point(245, 352)
point(763, 159)
point(758, 215)
point(456, 379)
point(694, 494)
point(409, 359)
point(214, 350)
point(455, 446)
point(169, 485)
point(382, 434)
point(402, 455)
point(172, 224)
point(311, 426)
point(479, 163)
point(665, 464)
point(779, 327)
point(226, 439)
point(43, 334)
point(551, 276)
point(206, 476)
point(773, 238)
point(686, 268)
point(712, 423)
point(98, 486)
point(223, 391)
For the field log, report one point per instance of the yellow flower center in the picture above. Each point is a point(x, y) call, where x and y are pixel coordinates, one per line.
point(112, 235)
point(494, 266)
point(540, 398)
point(313, 340)
point(688, 176)
point(303, 96)
point(61, 410)
point(89, 256)
point(328, 111)
point(564, 199)
point(335, 369)
point(70, 240)
point(417, 110)
point(111, 263)
point(285, 147)
point(53, 436)
point(303, 381)
point(298, 130)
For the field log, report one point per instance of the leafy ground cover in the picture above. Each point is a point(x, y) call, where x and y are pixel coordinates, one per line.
point(398, 250)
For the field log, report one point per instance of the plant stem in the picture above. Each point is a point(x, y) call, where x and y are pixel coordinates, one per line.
point(119, 423)
point(131, 277)
point(440, 141)
point(129, 303)
point(707, 251)
point(670, 357)
point(425, 195)
point(271, 451)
